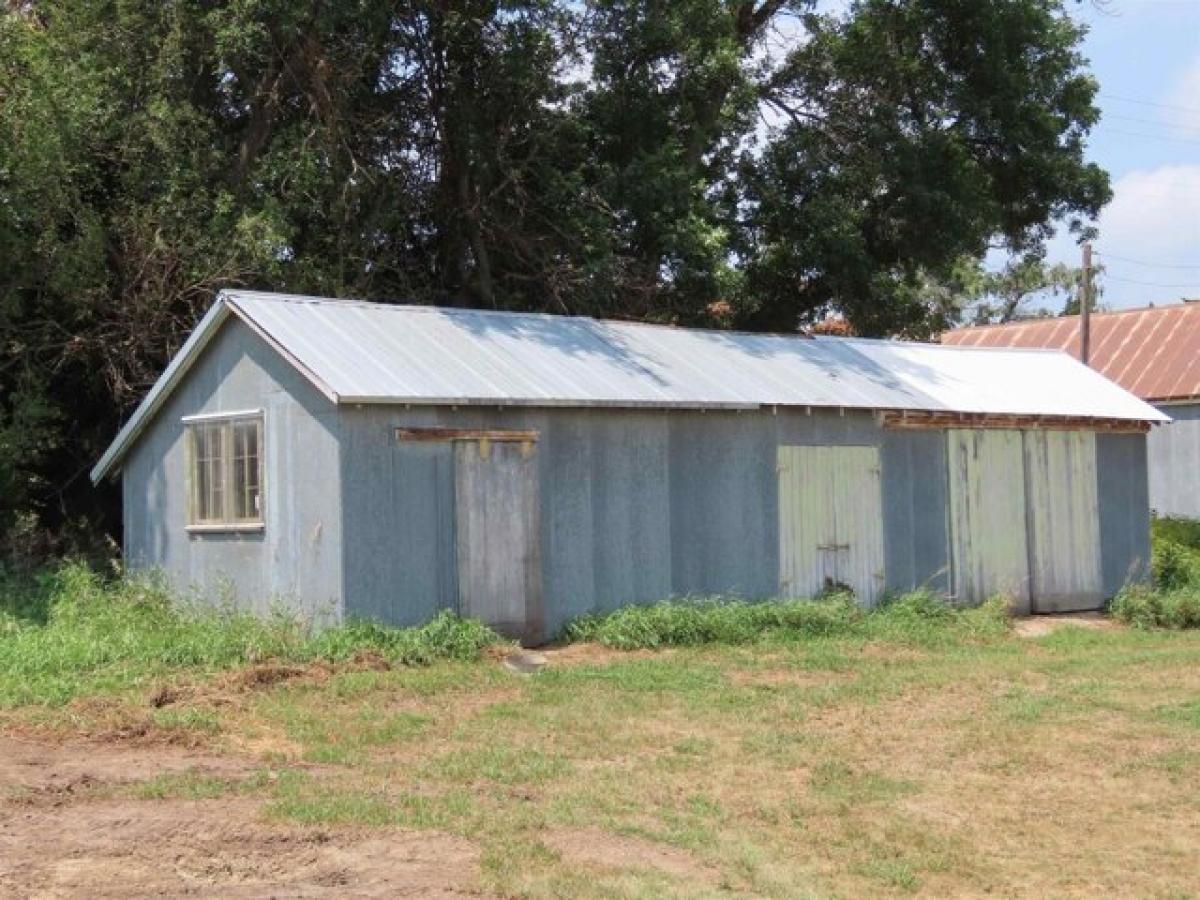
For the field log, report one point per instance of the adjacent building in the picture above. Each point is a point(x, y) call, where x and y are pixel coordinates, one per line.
point(1153, 353)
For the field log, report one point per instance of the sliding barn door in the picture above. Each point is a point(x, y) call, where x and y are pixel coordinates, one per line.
point(830, 521)
point(496, 513)
point(989, 550)
point(1064, 521)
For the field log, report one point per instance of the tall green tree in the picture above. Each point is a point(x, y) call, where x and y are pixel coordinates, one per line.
point(758, 163)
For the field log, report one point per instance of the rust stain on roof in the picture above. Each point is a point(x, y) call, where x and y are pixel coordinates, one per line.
point(1153, 353)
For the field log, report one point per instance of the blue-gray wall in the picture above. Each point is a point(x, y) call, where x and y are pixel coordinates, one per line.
point(1123, 495)
point(296, 559)
point(636, 505)
point(1175, 463)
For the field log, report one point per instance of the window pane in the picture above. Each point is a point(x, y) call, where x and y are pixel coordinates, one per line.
point(246, 496)
point(226, 471)
point(209, 472)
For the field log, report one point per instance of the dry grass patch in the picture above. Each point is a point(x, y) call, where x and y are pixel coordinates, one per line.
point(842, 767)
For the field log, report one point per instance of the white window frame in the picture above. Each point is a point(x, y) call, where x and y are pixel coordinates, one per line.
point(227, 421)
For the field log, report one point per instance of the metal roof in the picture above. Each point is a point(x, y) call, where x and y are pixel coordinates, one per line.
point(1153, 353)
point(356, 352)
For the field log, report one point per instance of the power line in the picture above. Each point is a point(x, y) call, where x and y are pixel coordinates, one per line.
point(1148, 283)
point(1162, 123)
point(1191, 109)
point(1151, 137)
point(1142, 262)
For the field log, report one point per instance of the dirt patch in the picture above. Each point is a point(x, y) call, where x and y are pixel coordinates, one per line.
point(590, 654)
point(596, 847)
point(219, 848)
point(54, 768)
point(1040, 626)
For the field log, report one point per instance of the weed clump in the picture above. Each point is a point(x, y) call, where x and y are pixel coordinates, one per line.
point(1143, 606)
point(919, 616)
point(1172, 598)
point(693, 621)
point(445, 636)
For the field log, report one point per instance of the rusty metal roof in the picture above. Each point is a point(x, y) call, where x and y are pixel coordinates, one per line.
point(355, 352)
point(1153, 353)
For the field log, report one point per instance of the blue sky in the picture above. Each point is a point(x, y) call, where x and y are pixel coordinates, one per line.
point(1146, 56)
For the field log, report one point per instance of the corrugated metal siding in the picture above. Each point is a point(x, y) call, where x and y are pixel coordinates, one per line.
point(988, 537)
point(296, 560)
point(399, 562)
point(915, 503)
point(1124, 509)
point(636, 505)
point(1153, 353)
point(1175, 463)
point(1064, 521)
point(830, 521)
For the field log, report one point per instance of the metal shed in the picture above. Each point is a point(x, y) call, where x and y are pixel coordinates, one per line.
point(351, 459)
point(1153, 353)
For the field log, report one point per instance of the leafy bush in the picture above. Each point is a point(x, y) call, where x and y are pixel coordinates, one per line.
point(1172, 598)
point(85, 633)
point(1143, 606)
point(1174, 565)
point(713, 620)
point(1177, 531)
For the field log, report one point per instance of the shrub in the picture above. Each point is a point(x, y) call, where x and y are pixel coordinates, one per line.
point(1174, 565)
point(1143, 606)
point(1177, 531)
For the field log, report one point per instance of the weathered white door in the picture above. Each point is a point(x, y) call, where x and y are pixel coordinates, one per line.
point(830, 521)
point(989, 550)
point(1064, 521)
point(496, 513)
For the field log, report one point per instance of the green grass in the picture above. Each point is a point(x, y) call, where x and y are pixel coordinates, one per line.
point(776, 749)
point(73, 632)
point(919, 617)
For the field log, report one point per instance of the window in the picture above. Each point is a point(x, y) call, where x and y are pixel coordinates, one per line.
point(226, 490)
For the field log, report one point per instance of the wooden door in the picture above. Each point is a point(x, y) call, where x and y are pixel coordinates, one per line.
point(1064, 521)
point(496, 513)
point(830, 521)
point(989, 552)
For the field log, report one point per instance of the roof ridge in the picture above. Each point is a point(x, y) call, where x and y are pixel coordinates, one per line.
point(427, 308)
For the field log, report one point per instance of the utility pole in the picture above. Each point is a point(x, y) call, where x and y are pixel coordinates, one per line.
point(1085, 305)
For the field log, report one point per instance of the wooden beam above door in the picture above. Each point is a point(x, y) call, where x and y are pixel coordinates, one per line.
point(465, 434)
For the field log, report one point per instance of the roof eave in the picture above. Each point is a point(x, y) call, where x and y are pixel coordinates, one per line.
point(109, 463)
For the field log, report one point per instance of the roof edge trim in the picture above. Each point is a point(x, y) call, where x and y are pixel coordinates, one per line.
point(180, 364)
point(329, 393)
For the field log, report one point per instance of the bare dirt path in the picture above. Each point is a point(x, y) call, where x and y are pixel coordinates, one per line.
point(63, 834)
point(1038, 626)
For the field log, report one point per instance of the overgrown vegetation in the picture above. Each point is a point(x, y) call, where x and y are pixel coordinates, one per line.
point(920, 617)
point(1172, 599)
point(73, 631)
point(757, 163)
